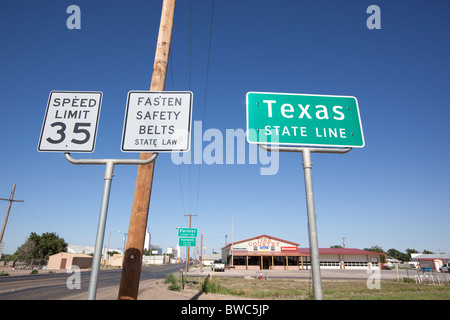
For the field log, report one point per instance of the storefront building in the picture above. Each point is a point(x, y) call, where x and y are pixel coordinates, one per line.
point(426, 261)
point(269, 253)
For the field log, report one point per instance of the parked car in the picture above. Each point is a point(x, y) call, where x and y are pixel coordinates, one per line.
point(445, 268)
point(218, 265)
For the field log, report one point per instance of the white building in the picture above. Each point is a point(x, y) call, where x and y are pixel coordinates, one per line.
point(208, 258)
point(147, 240)
point(430, 261)
point(75, 248)
point(175, 252)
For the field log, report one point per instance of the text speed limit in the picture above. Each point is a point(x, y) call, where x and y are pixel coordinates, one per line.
point(70, 123)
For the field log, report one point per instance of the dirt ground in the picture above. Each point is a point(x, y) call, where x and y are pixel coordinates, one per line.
point(157, 290)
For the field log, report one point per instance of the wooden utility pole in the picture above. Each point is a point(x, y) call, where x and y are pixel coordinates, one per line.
point(201, 254)
point(189, 248)
point(131, 271)
point(11, 200)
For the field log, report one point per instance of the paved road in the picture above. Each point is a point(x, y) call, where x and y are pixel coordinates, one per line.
point(55, 286)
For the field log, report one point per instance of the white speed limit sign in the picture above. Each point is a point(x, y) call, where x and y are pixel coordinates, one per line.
point(70, 123)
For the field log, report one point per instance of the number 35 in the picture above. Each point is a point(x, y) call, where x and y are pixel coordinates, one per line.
point(78, 128)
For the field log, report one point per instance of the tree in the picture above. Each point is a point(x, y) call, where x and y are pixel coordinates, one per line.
point(374, 249)
point(41, 247)
point(394, 253)
point(399, 255)
point(409, 251)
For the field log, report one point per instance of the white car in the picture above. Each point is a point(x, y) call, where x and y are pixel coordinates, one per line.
point(445, 268)
point(218, 265)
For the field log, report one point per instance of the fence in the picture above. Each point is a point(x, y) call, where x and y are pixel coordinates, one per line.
point(25, 264)
point(427, 275)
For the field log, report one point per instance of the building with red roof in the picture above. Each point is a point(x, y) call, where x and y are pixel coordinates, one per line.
point(271, 253)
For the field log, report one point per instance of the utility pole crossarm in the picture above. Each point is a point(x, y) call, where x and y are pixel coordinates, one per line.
point(11, 200)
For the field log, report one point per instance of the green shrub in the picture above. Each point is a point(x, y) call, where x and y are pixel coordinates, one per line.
point(171, 278)
point(173, 281)
point(211, 286)
point(175, 287)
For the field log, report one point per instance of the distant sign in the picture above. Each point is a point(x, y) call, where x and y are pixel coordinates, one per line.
point(187, 242)
point(303, 120)
point(289, 248)
point(157, 122)
point(187, 232)
point(70, 123)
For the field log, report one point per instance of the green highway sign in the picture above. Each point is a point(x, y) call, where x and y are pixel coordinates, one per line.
point(187, 242)
point(303, 120)
point(187, 232)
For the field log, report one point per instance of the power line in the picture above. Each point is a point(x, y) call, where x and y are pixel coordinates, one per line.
point(173, 88)
point(190, 44)
point(188, 202)
point(206, 91)
point(37, 217)
point(190, 88)
point(207, 64)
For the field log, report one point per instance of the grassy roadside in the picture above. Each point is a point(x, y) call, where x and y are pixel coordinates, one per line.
point(332, 290)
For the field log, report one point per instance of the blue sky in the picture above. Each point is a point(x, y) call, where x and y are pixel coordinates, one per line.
point(393, 193)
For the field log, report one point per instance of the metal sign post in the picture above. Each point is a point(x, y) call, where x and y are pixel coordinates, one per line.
point(104, 209)
point(70, 125)
point(313, 239)
point(307, 123)
point(187, 237)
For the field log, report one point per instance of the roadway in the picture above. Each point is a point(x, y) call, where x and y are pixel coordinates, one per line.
point(54, 286)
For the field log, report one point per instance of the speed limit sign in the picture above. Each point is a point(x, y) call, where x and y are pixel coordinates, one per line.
point(70, 123)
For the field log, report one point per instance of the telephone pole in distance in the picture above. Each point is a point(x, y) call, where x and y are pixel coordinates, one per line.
point(190, 220)
point(11, 200)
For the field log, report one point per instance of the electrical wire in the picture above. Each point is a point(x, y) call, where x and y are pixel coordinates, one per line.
point(173, 89)
point(204, 108)
point(206, 92)
point(190, 89)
